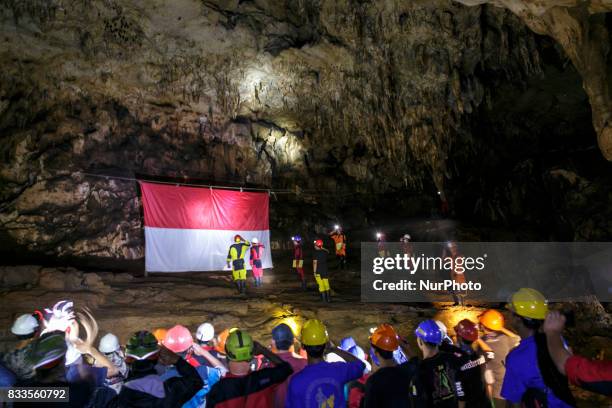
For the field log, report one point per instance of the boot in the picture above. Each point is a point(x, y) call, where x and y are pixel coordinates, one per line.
point(238, 286)
point(304, 287)
point(260, 281)
point(328, 296)
point(322, 296)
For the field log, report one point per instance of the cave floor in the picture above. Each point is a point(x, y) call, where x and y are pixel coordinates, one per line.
point(123, 303)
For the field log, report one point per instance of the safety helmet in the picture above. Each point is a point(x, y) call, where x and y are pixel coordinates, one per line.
point(347, 342)
point(314, 333)
point(24, 325)
point(237, 238)
point(444, 331)
point(492, 320)
point(358, 352)
point(46, 350)
point(141, 346)
point(407, 237)
point(529, 303)
point(222, 338)
point(109, 343)
point(296, 238)
point(239, 346)
point(385, 338)
point(282, 333)
point(318, 243)
point(466, 329)
point(178, 339)
point(205, 332)
point(160, 334)
point(429, 332)
point(255, 241)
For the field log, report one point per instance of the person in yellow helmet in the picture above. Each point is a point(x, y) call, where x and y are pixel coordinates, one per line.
point(321, 384)
point(235, 259)
point(500, 341)
point(531, 377)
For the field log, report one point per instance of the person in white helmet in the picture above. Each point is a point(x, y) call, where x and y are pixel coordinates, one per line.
point(256, 265)
point(26, 327)
point(205, 337)
point(110, 347)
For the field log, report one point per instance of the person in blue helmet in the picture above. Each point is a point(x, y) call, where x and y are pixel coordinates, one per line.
point(438, 383)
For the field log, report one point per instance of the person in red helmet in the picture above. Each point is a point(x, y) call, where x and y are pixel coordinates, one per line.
point(321, 273)
point(255, 259)
point(471, 371)
point(180, 341)
point(235, 258)
point(298, 259)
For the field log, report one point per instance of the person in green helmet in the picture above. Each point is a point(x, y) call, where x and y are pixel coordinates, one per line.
point(242, 387)
point(144, 387)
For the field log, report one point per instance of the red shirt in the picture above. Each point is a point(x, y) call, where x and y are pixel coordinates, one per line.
point(592, 375)
point(253, 390)
point(297, 252)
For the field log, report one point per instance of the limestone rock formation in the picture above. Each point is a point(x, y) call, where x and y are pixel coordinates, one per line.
point(581, 29)
point(336, 97)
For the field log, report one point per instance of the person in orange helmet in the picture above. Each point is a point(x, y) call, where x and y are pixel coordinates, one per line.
point(339, 238)
point(160, 334)
point(389, 385)
point(500, 341)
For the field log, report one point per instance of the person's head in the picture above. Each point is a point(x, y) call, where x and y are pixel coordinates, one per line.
point(467, 332)
point(406, 238)
point(238, 238)
point(445, 337)
point(110, 347)
point(492, 320)
point(239, 351)
point(160, 334)
point(318, 243)
point(452, 247)
point(314, 338)
point(178, 339)
point(429, 337)
point(384, 341)
point(282, 336)
point(297, 240)
point(380, 236)
point(222, 338)
point(205, 334)
point(255, 241)
point(46, 356)
point(142, 352)
point(529, 308)
point(347, 343)
point(25, 327)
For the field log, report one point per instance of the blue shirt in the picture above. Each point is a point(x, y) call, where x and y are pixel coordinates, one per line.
point(522, 373)
point(321, 385)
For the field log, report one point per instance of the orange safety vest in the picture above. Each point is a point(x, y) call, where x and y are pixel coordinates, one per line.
point(340, 241)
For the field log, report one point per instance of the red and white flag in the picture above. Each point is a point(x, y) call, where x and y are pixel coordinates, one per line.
point(191, 228)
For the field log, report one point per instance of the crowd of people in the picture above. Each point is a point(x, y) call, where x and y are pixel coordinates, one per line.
point(485, 365)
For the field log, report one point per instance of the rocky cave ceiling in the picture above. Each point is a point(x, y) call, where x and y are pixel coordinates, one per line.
point(336, 95)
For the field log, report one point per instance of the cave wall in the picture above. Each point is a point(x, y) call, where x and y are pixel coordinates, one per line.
point(330, 98)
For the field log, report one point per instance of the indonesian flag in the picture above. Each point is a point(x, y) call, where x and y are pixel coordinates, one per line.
point(192, 228)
